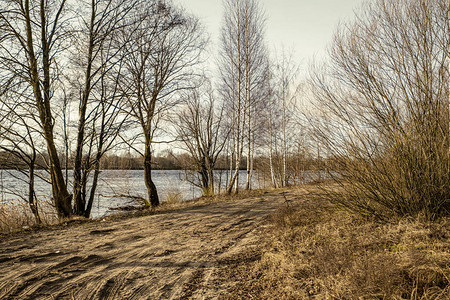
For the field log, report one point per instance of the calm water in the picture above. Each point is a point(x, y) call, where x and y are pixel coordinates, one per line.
point(112, 187)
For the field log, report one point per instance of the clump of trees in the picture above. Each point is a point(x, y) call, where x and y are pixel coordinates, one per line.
point(78, 79)
point(383, 100)
point(259, 95)
point(242, 66)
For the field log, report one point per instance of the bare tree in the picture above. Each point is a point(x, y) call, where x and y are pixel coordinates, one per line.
point(231, 71)
point(200, 128)
point(159, 61)
point(49, 52)
point(97, 55)
point(21, 141)
point(385, 109)
point(286, 71)
point(32, 35)
point(271, 126)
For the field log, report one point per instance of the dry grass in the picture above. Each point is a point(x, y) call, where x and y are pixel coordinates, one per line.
point(174, 197)
point(314, 250)
point(18, 216)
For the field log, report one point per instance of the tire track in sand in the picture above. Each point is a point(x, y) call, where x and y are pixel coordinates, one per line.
point(167, 256)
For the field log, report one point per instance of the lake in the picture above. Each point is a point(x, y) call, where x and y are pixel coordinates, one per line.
point(113, 185)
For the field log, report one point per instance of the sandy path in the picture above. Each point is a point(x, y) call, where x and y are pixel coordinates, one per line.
point(168, 256)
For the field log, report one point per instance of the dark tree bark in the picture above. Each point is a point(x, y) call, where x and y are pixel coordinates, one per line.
point(151, 188)
point(42, 94)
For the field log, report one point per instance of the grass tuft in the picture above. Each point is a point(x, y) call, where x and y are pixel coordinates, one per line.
point(173, 198)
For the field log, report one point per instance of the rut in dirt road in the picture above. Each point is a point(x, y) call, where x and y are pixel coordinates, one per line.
point(172, 255)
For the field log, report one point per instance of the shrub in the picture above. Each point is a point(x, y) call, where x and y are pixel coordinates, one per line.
point(383, 103)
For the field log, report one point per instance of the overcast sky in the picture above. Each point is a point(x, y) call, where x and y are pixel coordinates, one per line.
point(305, 25)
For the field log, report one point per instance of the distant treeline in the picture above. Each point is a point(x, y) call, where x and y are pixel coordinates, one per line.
point(172, 161)
point(108, 162)
point(168, 161)
point(165, 161)
point(130, 162)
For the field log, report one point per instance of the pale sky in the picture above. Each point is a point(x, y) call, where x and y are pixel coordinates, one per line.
point(307, 26)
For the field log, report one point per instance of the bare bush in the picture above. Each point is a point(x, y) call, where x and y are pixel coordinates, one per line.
point(383, 110)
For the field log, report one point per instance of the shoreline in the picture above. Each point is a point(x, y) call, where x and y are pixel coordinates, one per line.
point(137, 211)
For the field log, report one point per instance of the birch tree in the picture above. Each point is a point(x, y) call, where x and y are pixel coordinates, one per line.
point(286, 71)
point(271, 122)
point(241, 62)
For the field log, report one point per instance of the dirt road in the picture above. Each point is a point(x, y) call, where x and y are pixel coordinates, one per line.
point(166, 256)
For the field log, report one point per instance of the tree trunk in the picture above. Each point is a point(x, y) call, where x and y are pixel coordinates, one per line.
point(211, 182)
point(236, 177)
point(272, 173)
point(205, 182)
point(249, 152)
point(61, 198)
point(247, 183)
point(232, 181)
point(87, 212)
point(31, 199)
point(78, 197)
point(284, 175)
point(98, 156)
point(153, 199)
point(230, 177)
point(252, 160)
point(84, 179)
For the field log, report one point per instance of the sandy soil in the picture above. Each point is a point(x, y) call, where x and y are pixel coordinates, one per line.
point(173, 255)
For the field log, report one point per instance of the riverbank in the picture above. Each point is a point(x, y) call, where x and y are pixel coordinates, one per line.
point(18, 219)
point(116, 188)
